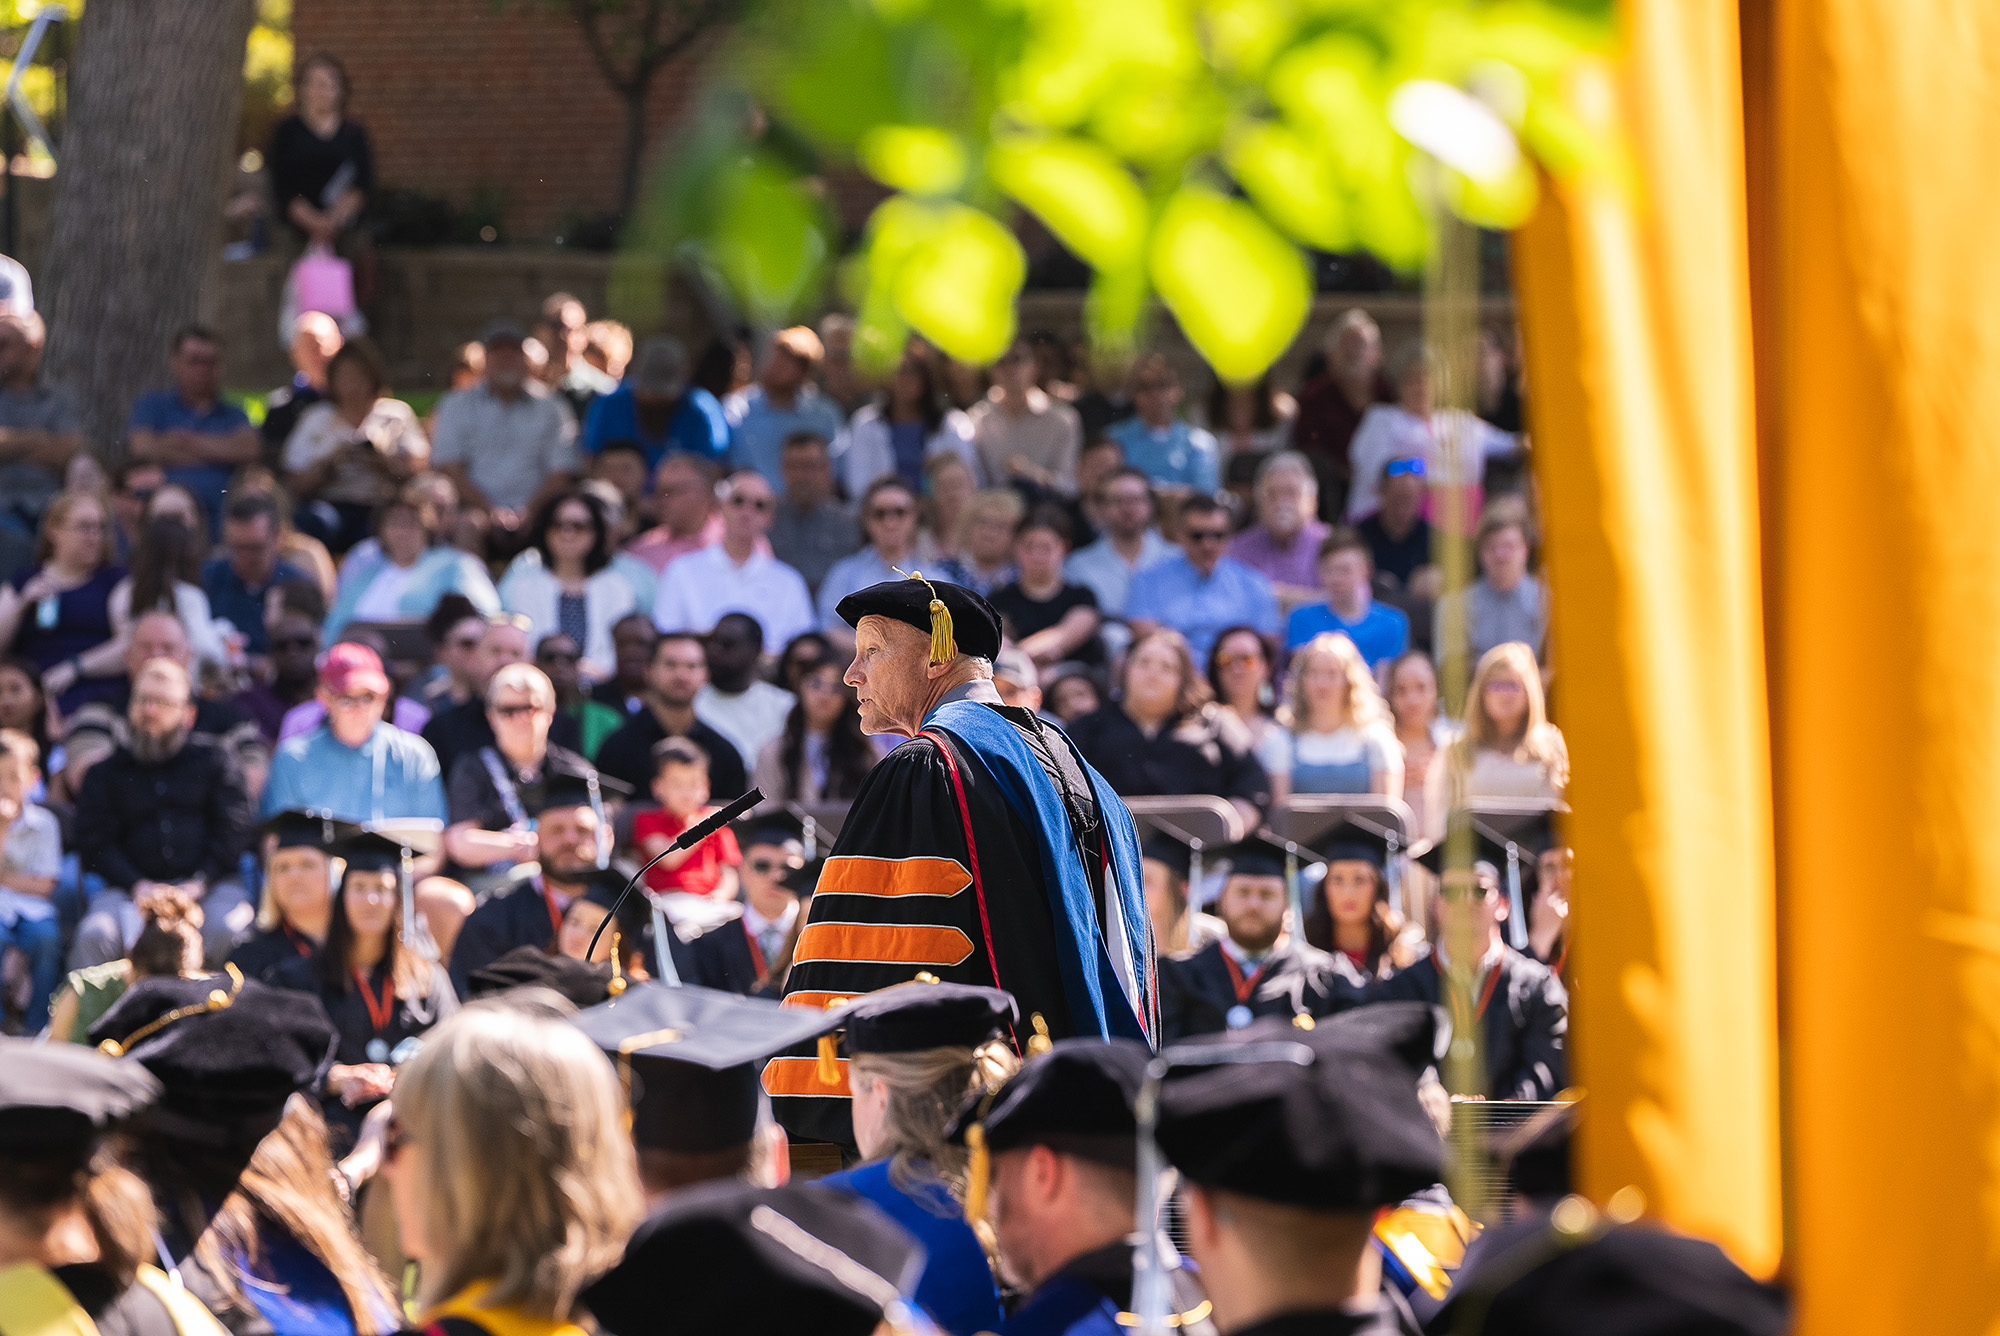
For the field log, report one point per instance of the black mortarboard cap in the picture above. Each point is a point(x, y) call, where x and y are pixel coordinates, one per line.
point(1357, 841)
point(528, 967)
point(308, 828)
point(227, 1051)
point(1630, 1279)
point(1492, 831)
point(1164, 848)
point(780, 826)
point(1076, 1098)
point(1342, 1131)
point(975, 626)
point(564, 787)
point(370, 851)
point(911, 1017)
point(1262, 856)
point(56, 1098)
point(759, 1262)
point(692, 1056)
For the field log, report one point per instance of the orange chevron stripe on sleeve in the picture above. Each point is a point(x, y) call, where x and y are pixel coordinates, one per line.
point(800, 1076)
point(849, 875)
point(815, 1001)
point(883, 943)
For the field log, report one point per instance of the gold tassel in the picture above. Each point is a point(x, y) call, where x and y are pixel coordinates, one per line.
point(978, 1171)
point(944, 642)
point(1039, 1042)
point(617, 984)
point(829, 1065)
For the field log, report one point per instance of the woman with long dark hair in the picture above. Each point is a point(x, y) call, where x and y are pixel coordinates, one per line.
point(907, 425)
point(822, 756)
point(377, 991)
point(166, 575)
point(1240, 673)
point(24, 707)
point(1350, 917)
point(573, 588)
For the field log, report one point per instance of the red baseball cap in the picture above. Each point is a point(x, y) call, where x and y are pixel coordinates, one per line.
point(349, 669)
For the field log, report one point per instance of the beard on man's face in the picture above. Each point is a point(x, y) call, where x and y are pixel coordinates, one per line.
point(152, 748)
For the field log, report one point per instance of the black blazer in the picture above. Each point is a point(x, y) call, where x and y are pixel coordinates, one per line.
point(1197, 991)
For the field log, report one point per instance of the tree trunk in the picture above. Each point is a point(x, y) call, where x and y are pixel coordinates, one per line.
point(154, 94)
point(635, 144)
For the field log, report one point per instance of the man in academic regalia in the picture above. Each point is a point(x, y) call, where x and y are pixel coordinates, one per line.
point(1520, 1006)
point(982, 851)
point(570, 831)
point(738, 956)
point(1259, 969)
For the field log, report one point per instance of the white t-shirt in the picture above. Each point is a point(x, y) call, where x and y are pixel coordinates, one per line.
point(750, 718)
point(32, 848)
point(1341, 761)
point(390, 428)
point(1389, 431)
point(699, 589)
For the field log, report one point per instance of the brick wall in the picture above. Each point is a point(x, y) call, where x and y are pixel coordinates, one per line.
point(459, 99)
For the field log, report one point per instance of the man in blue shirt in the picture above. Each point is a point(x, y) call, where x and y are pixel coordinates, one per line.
point(237, 582)
point(1201, 591)
point(657, 408)
point(782, 403)
point(354, 764)
point(1346, 569)
point(1176, 456)
point(191, 430)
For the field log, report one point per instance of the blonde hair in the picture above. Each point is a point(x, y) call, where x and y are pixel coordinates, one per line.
point(997, 503)
point(926, 1088)
point(1539, 739)
point(529, 1176)
point(57, 515)
point(269, 916)
point(1364, 703)
point(523, 677)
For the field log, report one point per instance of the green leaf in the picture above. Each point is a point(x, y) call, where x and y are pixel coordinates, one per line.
point(769, 242)
point(1239, 290)
point(1081, 192)
point(1294, 186)
point(958, 289)
point(921, 159)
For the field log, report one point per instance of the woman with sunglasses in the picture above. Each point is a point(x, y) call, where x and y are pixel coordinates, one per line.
point(514, 1179)
point(570, 584)
point(379, 993)
point(822, 756)
point(1239, 672)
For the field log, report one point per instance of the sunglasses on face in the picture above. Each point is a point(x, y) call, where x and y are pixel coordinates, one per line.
point(1405, 468)
point(513, 711)
point(1207, 535)
point(356, 702)
point(753, 502)
point(1239, 660)
point(764, 867)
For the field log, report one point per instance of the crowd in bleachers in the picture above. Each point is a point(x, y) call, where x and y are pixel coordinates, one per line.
point(587, 550)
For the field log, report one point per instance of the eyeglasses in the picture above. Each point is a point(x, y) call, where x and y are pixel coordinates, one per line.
point(161, 702)
point(1404, 468)
point(1207, 535)
point(513, 711)
point(754, 502)
point(815, 684)
point(357, 701)
point(889, 513)
point(1238, 660)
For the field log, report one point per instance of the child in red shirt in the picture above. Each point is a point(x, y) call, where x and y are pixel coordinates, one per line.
point(680, 786)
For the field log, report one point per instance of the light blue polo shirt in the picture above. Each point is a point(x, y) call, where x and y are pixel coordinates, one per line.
point(392, 776)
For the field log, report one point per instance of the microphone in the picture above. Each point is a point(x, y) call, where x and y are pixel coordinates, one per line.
point(687, 839)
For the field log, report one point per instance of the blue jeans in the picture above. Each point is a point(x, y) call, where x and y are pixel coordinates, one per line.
point(40, 940)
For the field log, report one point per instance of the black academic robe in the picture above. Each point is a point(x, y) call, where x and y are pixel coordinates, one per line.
point(1390, 1317)
point(518, 913)
point(356, 1024)
point(1294, 979)
point(1090, 1294)
point(906, 892)
point(726, 959)
point(269, 955)
point(1524, 1015)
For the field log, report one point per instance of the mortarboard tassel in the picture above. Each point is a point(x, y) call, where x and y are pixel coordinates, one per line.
point(829, 1064)
point(944, 642)
point(617, 985)
point(1039, 1042)
point(978, 1171)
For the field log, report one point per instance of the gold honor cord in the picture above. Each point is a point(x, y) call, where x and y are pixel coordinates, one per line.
point(217, 1000)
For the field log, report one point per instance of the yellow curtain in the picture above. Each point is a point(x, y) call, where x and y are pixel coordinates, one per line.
point(1881, 310)
point(1636, 311)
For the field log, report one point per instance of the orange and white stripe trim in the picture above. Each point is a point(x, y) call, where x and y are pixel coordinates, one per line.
point(914, 944)
point(892, 877)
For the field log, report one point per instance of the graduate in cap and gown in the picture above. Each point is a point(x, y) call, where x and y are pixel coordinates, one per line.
point(297, 902)
point(1516, 1005)
point(689, 1060)
point(1350, 917)
point(916, 1053)
point(984, 850)
point(380, 987)
point(1260, 968)
point(1289, 1141)
point(762, 1261)
point(1057, 1172)
point(740, 956)
point(236, 1155)
point(573, 850)
point(77, 1226)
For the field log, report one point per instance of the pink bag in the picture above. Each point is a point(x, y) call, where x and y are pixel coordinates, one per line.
point(322, 281)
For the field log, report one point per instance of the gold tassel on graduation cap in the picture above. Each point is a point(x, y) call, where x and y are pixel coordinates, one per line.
point(944, 643)
point(217, 1000)
point(616, 987)
point(828, 1069)
point(978, 1171)
point(1039, 1042)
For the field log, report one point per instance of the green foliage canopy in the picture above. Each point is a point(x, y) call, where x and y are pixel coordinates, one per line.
point(1185, 149)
